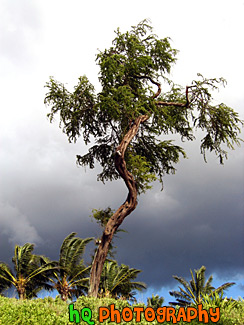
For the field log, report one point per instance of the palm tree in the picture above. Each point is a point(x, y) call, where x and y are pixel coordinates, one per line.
point(196, 288)
point(71, 277)
point(30, 270)
point(117, 281)
point(4, 285)
point(155, 302)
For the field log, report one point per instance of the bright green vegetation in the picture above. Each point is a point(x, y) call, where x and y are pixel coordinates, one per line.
point(55, 311)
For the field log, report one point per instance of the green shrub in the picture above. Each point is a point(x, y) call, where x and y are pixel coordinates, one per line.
point(55, 311)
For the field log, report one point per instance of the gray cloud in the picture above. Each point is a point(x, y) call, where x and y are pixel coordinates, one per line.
point(198, 221)
point(16, 226)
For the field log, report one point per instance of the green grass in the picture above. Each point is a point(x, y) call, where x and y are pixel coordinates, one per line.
point(55, 311)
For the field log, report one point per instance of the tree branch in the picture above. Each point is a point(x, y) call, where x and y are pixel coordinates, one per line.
point(153, 82)
point(176, 104)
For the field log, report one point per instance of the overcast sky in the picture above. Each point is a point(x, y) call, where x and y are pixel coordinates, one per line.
point(198, 218)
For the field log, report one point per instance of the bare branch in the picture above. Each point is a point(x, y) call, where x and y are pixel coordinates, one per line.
point(186, 104)
point(160, 90)
point(153, 82)
point(160, 103)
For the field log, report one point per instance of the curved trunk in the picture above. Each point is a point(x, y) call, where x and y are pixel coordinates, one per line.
point(122, 212)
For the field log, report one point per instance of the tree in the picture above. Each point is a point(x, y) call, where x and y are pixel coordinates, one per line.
point(195, 290)
point(30, 271)
point(71, 277)
point(155, 302)
point(117, 281)
point(127, 117)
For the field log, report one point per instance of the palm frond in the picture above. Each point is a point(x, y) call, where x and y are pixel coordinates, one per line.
point(224, 287)
point(7, 279)
point(78, 249)
point(64, 250)
point(22, 258)
point(79, 273)
point(118, 280)
point(72, 272)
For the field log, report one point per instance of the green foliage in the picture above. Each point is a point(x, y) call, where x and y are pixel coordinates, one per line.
point(102, 216)
point(4, 284)
point(71, 277)
point(123, 67)
point(232, 311)
point(196, 288)
point(76, 109)
point(220, 122)
point(136, 61)
point(33, 312)
point(214, 299)
point(155, 302)
point(118, 280)
point(55, 311)
point(141, 171)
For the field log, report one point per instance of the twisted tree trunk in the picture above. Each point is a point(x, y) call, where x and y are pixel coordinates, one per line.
point(130, 203)
point(122, 212)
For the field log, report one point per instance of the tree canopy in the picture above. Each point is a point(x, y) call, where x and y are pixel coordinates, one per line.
point(129, 69)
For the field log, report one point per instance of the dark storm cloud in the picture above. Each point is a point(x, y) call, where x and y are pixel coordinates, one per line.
point(46, 196)
point(197, 220)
